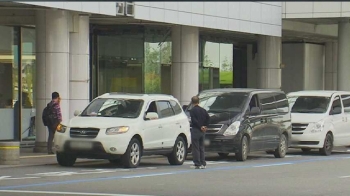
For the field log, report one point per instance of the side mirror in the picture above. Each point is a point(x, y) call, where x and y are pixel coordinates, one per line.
point(336, 110)
point(77, 112)
point(184, 107)
point(254, 111)
point(152, 116)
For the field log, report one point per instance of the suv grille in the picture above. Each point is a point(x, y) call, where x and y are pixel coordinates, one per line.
point(298, 128)
point(84, 132)
point(214, 128)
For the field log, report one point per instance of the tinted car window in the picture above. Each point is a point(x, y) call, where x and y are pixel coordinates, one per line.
point(336, 104)
point(310, 104)
point(268, 103)
point(164, 108)
point(176, 107)
point(346, 102)
point(281, 103)
point(223, 101)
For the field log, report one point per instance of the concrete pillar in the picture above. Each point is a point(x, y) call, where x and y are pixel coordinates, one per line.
point(185, 63)
point(79, 69)
point(330, 82)
point(52, 67)
point(269, 62)
point(344, 56)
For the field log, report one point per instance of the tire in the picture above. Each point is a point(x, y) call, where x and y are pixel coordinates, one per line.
point(132, 156)
point(327, 145)
point(306, 149)
point(65, 160)
point(282, 149)
point(243, 150)
point(223, 155)
point(179, 153)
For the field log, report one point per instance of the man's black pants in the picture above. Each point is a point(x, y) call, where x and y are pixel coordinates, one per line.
point(197, 138)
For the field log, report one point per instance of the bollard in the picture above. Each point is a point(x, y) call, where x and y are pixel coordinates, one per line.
point(9, 153)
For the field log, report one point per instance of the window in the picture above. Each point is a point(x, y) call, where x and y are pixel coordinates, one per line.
point(176, 107)
point(346, 103)
point(164, 109)
point(310, 104)
point(336, 105)
point(281, 103)
point(253, 102)
point(268, 103)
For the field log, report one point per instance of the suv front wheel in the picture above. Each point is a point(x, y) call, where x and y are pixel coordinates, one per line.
point(132, 156)
point(178, 155)
point(65, 159)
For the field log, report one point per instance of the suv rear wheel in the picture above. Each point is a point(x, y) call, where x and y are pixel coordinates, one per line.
point(65, 159)
point(178, 156)
point(132, 156)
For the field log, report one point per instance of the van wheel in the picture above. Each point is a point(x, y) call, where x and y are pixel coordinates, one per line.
point(327, 146)
point(223, 155)
point(65, 160)
point(179, 153)
point(282, 149)
point(132, 156)
point(242, 154)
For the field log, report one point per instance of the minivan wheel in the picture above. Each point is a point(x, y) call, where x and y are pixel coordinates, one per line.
point(327, 146)
point(179, 153)
point(281, 151)
point(65, 160)
point(132, 156)
point(223, 155)
point(243, 150)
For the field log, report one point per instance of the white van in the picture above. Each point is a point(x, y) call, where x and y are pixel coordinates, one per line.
point(125, 127)
point(320, 120)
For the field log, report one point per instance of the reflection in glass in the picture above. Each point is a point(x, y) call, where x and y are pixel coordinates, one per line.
point(28, 81)
point(8, 82)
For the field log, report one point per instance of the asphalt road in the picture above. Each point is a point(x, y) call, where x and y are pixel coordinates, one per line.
point(297, 174)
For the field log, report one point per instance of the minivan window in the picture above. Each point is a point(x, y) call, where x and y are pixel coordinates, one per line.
point(281, 103)
point(268, 103)
point(346, 103)
point(223, 102)
point(114, 107)
point(311, 104)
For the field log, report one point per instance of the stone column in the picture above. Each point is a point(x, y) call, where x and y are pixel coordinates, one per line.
point(344, 56)
point(185, 63)
point(330, 82)
point(79, 68)
point(52, 67)
point(269, 62)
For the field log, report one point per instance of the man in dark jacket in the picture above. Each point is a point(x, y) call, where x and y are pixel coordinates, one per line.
point(199, 121)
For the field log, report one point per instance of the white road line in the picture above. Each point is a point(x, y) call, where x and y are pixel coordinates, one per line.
point(344, 177)
point(277, 164)
point(148, 175)
point(66, 193)
point(36, 156)
point(208, 162)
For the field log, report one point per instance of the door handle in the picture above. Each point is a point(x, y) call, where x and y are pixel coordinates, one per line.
point(160, 126)
point(177, 123)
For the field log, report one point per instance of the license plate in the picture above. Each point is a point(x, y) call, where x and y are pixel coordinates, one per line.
point(81, 145)
point(206, 142)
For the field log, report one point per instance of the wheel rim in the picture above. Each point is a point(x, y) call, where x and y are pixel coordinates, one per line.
point(283, 145)
point(135, 154)
point(244, 148)
point(328, 143)
point(180, 151)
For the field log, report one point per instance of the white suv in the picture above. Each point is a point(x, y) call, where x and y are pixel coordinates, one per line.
point(125, 127)
point(320, 120)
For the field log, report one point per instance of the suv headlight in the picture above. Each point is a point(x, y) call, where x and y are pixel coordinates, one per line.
point(61, 128)
point(117, 130)
point(318, 127)
point(232, 129)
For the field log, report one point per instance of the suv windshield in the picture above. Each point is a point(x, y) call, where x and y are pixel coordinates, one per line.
point(114, 107)
point(222, 101)
point(310, 104)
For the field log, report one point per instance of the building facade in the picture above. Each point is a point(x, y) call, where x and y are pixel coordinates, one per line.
point(84, 49)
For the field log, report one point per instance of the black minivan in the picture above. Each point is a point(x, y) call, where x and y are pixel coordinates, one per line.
point(245, 120)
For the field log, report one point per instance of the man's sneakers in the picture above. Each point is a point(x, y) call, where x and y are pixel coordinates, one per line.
point(198, 167)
